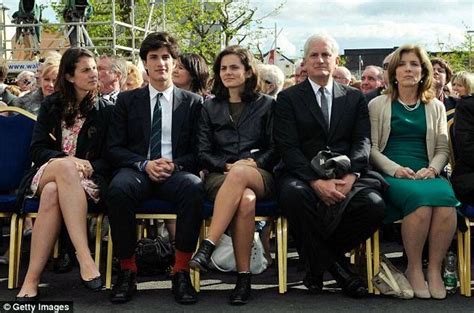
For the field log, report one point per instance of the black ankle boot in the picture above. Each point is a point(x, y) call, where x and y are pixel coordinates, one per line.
point(202, 257)
point(241, 293)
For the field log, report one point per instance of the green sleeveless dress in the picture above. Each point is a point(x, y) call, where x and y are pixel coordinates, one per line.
point(407, 147)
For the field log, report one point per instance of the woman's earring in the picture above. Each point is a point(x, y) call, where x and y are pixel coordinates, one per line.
point(421, 81)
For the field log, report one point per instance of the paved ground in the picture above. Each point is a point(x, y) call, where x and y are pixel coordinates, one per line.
point(155, 296)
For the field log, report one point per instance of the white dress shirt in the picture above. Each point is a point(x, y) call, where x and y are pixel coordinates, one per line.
point(327, 93)
point(166, 119)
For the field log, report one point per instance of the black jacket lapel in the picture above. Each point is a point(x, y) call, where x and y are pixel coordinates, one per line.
point(309, 99)
point(179, 112)
point(142, 102)
point(337, 110)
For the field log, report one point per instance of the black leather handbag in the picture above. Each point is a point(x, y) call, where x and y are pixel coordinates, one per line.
point(330, 165)
point(154, 256)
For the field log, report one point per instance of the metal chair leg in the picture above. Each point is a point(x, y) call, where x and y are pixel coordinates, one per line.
point(108, 271)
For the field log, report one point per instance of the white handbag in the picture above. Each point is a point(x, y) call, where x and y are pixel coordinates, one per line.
point(391, 282)
point(223, 257)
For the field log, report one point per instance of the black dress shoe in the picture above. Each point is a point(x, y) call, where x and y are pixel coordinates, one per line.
point(202, 257)
point(182, 288)
point(314, 283)
point(351, 284)
point(241, 293)
point(125, 287)
point(63, 264)
point(26, 298)
point(95, 284)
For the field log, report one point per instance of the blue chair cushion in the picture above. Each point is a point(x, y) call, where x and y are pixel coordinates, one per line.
point(468, 210)
point(32, 205)
point(7, 203)
point(262, 208)
point(155, 206)
point(15, 138)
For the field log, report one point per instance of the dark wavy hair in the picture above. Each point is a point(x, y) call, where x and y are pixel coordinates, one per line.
point(157, 40)
point(68, 108)
point(252, 86)
point(197, 68)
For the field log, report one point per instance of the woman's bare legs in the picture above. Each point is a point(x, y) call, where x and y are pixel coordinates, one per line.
point(239, 178)
point(45, 232)
point(243, 230)
point(443, 227)
point(415, 228)
point(73, 205)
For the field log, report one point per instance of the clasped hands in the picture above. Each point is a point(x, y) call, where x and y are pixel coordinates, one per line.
point(408, 173)
point(84, 167)
point(247, 162)
point(332, 191)
point(160, 169)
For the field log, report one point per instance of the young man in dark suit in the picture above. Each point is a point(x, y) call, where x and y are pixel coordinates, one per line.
point(151, 142)
point(321, 114)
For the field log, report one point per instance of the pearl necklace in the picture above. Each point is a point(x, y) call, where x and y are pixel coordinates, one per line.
point(409, 107)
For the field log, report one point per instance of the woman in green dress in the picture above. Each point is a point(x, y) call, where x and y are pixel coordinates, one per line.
point(410, 147)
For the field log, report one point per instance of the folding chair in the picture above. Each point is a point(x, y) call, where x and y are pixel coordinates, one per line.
point(265, 211)
point(30, 210)
point(15, 138)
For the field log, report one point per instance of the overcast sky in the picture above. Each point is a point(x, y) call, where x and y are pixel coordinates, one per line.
point(359, 23)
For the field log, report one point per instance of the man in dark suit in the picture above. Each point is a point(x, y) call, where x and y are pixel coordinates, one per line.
point(151, 142)
point(463, 141)
point(321, 114)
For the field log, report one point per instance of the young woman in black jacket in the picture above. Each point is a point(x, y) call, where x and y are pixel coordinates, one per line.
point(66, 150)
point(235, 147)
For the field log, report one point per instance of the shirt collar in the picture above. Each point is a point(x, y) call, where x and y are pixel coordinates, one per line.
point(328, 87)
point(167, 93)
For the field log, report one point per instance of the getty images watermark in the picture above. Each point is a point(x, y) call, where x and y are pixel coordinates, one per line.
point(35, 307)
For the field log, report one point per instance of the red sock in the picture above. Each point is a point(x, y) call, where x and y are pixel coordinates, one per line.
point(129, 264)
point(181, 261)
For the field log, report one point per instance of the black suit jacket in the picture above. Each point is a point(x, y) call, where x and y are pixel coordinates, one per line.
point(46, 141)
point(463, 174)
point(300, 132)
point(129, 135)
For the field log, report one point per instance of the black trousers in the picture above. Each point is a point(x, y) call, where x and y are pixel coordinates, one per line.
point(362, 216)
point(130, 187)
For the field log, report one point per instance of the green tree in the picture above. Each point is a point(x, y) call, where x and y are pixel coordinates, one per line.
point(202, 27)
point(460, 57)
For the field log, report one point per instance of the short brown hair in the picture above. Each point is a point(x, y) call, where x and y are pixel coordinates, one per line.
point(444, 64)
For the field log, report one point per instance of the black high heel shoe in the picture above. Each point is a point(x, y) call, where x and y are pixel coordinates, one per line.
point(27, 298)
point(95, 284)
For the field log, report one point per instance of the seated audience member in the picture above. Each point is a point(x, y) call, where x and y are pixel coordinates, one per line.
point(26, 81)
point(112, 76)
point(463, 173)
point(66, 150)
point(329, 215)
point(463, 84)
point(134, 77)
point(6, 96)
point(342, 75)
point(372, 78)
point(442, 74)
point(151, 143)
point(300, 72)
point(237, 150)
point(410, 148)
point(271, 78)
point(31, 102)
point(191, 74)
point(378, 91)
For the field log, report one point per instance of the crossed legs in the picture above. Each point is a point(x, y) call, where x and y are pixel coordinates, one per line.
point(235, 202)
point(61, 195)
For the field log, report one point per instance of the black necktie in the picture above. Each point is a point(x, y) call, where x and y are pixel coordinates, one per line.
point(155, 138)
point(324, 106)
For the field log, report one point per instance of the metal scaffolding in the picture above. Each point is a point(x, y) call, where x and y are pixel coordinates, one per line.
point(78, 28)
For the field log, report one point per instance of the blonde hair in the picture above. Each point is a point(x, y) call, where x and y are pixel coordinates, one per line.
point(133, 72)
point(425, 93)
point(465, 79)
